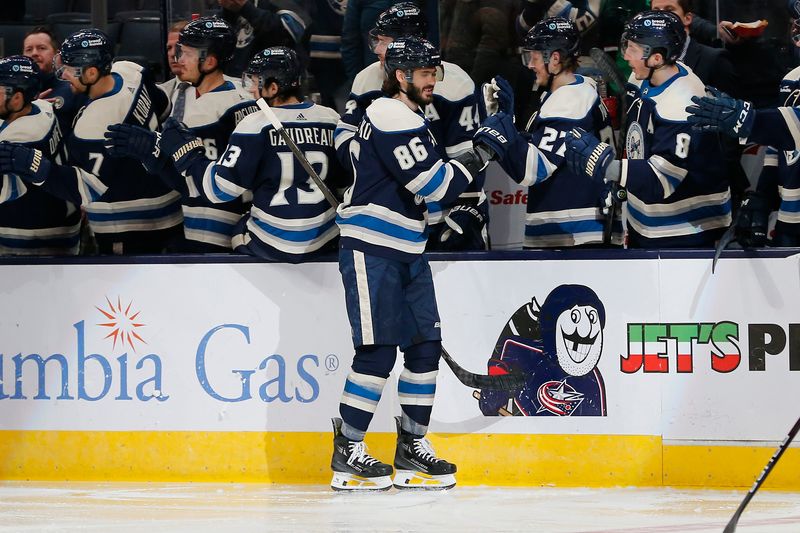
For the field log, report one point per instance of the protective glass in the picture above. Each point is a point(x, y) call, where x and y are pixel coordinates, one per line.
point(796, 32)
point(251, 82)
point(626, 43)
point(186, 52)
point(64, 72)
point(378, 43)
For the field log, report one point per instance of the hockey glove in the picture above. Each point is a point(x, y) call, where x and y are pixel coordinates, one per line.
point(753, 220)
point(720, 112)
point(586, 156)
point(466, 229)
point(125, 140)
point(491, 402)
point(181, 145)
point(498, 95)
point(29, 164)
point(496, 132)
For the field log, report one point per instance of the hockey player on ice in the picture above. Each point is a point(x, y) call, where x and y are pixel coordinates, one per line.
point(452, 119)
point(388, 284)
point(557, 347)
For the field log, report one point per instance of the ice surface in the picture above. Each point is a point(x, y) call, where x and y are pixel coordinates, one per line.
point(201, 507)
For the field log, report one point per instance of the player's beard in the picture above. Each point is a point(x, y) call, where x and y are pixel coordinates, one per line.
point(415, 95)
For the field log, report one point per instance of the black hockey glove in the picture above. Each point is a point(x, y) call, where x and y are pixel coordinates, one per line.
point(753, 220)
point(181, 145)
point(719, 112)
point(125, 140)
point(496, 132)
point(586, 156)
point(466, 229)
point(29, 164)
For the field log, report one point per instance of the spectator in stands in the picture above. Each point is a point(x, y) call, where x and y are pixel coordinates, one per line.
point(760, 60)
point(172, 59)
point(259, 24)
point(41, 46)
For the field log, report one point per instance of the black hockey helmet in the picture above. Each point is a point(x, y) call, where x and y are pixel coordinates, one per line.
point(555, 34)
point(212, 34)
point(401, 20)
point(20, 73)
point(410, 53)
point(83, 49)
point(278, 64)
point(656, 32)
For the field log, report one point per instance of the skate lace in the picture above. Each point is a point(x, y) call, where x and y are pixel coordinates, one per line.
point(424, 450)
point(358, 453)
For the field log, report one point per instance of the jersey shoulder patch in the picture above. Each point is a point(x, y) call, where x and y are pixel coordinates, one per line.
point(573, 101)
point(392, 115)
point(368, 80)
point(671, 103)
point(456, 85)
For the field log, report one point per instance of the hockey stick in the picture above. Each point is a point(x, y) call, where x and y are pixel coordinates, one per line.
point(618, 194)
point(298, 154)
point(508, 382)
point(731, 527)
point(478, 381)
point(724, 241)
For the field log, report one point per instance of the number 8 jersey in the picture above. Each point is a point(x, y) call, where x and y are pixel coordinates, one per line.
point(676, 177)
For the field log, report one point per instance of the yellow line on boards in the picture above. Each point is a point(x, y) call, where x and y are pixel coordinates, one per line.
point(304, 457)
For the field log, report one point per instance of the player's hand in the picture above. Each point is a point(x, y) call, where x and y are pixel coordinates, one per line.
point(496, 132)
point(586, 156)
point(29, 164)
point(126, 140)
point(753, 220)
point(498, 95)
point(181, 145)
point(466, 229)
point(719, 112)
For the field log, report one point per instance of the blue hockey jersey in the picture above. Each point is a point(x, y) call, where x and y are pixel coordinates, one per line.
point(211, 116)
point(452, 118)
point(563, 209)
point(289, 219)
point(134, 201)
point(678, 193)
point(397, 170)
point(33, 222)
point(780, 177)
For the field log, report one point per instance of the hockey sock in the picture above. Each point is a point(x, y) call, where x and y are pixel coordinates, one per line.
point(363, 388)
point(416, 393)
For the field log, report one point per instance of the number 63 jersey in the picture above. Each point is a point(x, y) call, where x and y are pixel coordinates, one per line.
point(678, 193)
point(289, 220)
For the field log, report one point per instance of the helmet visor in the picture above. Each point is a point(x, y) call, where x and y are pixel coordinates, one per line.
point(633, 50)
point(64, 72)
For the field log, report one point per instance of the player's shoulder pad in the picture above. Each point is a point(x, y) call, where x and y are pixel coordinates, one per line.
point(32, 127)
point(391, 115)
point(252, 124)
point(672, 101)
point(113, 107)
point(211, 106)
point(456, 85)
point(368, 80)
point(573, 101)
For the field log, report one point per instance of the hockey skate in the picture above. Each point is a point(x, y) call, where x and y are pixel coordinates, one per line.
point(353, 468)
point(416, 465)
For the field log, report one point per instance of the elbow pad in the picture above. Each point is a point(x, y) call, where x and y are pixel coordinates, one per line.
point(475, 160)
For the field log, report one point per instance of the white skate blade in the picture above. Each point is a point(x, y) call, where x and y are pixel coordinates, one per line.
point(351, 482)
point(411, 480)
